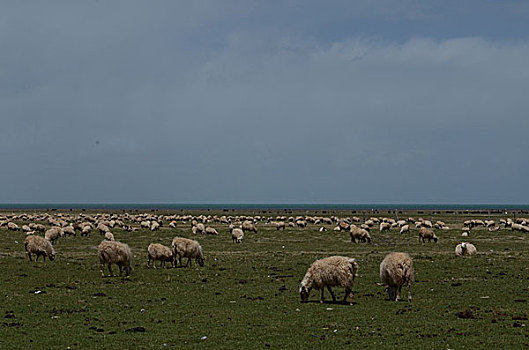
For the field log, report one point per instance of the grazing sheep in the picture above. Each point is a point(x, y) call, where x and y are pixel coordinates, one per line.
point(187, 248)
point(26, 228)
point(465, 249)
point(39, 246)
point(405, 229)
point(86, 230)
point(103, 228)
point(53, 234)
point(12, 226)
point(396, 270)
point(494, 228)
point(464, 234)
point(199, 228)
point(109, 236)
point(384, 226)
point(248, 226)
point(114, 252)
point(323, 229)
point(425, 233)
point(360, 234)
point(159, 252)
point(327, 273)
point(40, 228)
point(301, 223)
point(155, 226)
point(69, 231)
point(280, 225)
point(237, 234)
point(211, 231)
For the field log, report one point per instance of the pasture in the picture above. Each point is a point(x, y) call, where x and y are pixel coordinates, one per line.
point(246, 295)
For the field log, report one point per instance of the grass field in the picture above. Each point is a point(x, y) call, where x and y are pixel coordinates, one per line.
point(246, 295)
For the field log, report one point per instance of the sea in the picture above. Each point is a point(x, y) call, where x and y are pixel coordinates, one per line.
point(261, 206)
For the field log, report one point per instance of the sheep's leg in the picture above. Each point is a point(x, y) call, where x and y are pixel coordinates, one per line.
point(149, 262)
point(102, 270)
point(332, 294)
point(348, 292)
point(399, 288)
point(110, 269)
point(189, 262)
point(321, 299)
point(120, 269)
point(37, 258)
point(409, 291)
point(28, 255)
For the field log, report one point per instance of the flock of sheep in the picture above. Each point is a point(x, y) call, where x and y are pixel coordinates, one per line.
point(396, 270)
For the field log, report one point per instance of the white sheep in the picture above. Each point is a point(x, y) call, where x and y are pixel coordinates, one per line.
point(396, 270)
point(384, 226)
point(114, 252)
point(103, 228)
point(199, 228)
point(327, 273)
point(159, 252)
point(465, 249)
point(187, 248)
point(40, 247)
point(237, 234)
point(360, 234)
point(86, 230)
point(425, 233)
point(211, 231)
point(248, 226)
point(109, 236)
point(405, 229)
point(279, 225)
point(12, 226)
point(69, 230)
point(53, 234)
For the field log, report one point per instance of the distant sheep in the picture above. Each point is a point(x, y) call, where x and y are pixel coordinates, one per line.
point(69, 231)
point(327, 273)
point(53, 234)
point(199, 228)
point(109, 236)
point(86, 230)
point(12, 226)
point(280, 225)
point(396, 270)
point(248, 226)
point(114, 252)
point(187, 248)
point(103, 228)
point(40, 247)
point(384, 226)
point(405, 229)
point(465, 249)
point(211, 231)
point(359, 234)
point(425, 233)
point(237, 234)
point(159, 252)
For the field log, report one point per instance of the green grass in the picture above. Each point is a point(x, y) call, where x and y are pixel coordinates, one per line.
point(246, 295)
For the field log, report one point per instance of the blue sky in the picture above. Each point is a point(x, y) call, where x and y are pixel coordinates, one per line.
point(264, 101)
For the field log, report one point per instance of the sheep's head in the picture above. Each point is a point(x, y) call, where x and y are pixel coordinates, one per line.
point(52, 256)
point(200, 261)
point(435, 239)
point(304, 292)
point(463, 245)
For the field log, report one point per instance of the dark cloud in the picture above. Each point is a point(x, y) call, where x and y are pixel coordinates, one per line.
point(251, 102)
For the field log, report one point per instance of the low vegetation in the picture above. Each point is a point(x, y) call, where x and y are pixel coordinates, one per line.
point(247, 295)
